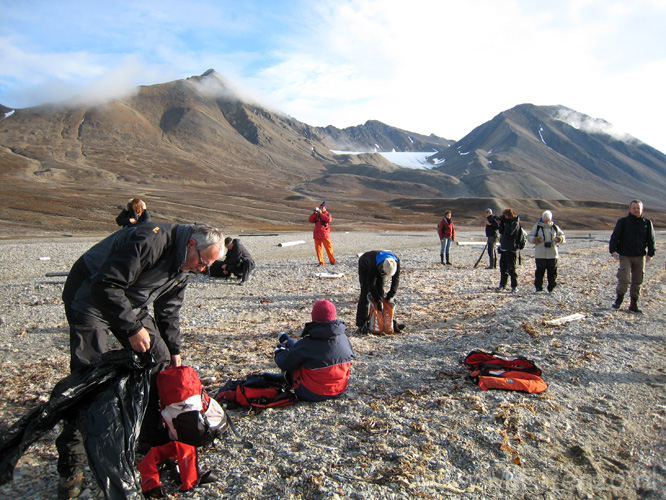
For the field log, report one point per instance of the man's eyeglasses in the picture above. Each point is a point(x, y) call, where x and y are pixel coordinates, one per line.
point(201, 262)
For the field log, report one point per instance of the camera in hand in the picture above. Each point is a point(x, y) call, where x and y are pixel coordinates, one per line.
point(548, 244)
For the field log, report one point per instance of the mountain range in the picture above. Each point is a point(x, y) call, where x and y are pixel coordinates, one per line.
point(194, 150)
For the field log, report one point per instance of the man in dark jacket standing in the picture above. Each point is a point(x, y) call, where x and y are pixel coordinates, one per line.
point(375, 269)
point(319, 364)
point(492, 233)
point(632, 244)
point(109, 291)
point(238, 261)
point(511, 235)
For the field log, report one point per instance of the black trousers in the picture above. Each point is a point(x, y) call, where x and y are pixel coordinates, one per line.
point(242, 270)
point(508, 262)
point(548, 267)
point(492, 251)
point(89, 337)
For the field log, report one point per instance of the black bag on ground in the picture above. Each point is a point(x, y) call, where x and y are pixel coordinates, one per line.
point(109, 399)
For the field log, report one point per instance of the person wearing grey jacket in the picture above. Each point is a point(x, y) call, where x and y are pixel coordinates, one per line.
point(546, 236)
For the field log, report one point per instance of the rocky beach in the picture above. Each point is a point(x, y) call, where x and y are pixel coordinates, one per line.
point(410, 424)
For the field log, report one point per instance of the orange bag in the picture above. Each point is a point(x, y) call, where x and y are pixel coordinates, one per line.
point(381, 322)
point(387, 313)
point(376, 321)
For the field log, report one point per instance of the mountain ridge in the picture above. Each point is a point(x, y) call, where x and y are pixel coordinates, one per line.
point(194, 148)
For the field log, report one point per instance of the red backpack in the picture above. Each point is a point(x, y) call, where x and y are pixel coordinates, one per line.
point(491, 371)
point(189, 413)
point(259, 391)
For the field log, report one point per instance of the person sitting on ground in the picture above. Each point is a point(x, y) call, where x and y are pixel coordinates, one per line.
point(375, 268)
point(237, 261)
point(319, 364)
point(546, 236)
point(134, 213)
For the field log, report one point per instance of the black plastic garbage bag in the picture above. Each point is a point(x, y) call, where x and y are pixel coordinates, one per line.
point(108, 399)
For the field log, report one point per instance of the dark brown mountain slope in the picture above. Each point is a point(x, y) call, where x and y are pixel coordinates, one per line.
point(535, 152)
point(194, 150)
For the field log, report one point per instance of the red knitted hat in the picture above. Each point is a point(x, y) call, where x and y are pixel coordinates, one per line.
point(323, 310)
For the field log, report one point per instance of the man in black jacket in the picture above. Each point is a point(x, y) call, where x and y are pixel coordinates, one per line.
point(109, 291)
point(238, 261)
point(511, 242)
point(492, 233)
point(632, 239)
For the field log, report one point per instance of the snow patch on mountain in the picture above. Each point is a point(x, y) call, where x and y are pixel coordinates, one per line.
point(408, 159)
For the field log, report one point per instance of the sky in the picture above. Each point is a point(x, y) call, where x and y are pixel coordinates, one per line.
point(438, 67)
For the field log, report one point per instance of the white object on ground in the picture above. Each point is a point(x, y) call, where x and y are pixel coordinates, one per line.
point(564, 319)
point(329, 275)
point(291, 243)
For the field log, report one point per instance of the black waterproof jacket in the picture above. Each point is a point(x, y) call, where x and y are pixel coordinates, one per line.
point(632, 237)
point(509, 234)
point(493, 228)
point(124, 217)
point(370, 276)
point(128, 271)
point(237, 255)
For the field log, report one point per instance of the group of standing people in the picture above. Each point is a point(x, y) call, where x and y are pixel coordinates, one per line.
point(632, 244)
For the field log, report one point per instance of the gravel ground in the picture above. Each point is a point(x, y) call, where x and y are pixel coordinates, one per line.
point(410, 425)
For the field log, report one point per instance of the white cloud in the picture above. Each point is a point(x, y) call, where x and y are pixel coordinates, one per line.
point(430, 66)
point(446, 67)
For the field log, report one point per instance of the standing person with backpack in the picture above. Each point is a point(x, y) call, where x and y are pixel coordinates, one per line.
point(512, 240)
point(546, 236)
point(322, 233)
point(632, 244)
point(492, 233)
point(447, 234)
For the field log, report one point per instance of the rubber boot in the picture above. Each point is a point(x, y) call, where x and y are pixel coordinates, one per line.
point(633, 306)
point(448, 262)
point(441, 257)
point(618, 301)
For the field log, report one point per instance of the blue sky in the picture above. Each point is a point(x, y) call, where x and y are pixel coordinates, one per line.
point(428, 66)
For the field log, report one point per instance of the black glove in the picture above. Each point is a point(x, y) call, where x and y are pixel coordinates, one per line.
point(380, 306)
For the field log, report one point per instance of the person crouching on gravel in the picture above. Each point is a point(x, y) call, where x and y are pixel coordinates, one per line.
point(319, 364)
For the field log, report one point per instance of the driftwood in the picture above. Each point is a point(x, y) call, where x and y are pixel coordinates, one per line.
point(291, 243)
point(329, 275)
point(471, 243)
point(564, 319)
